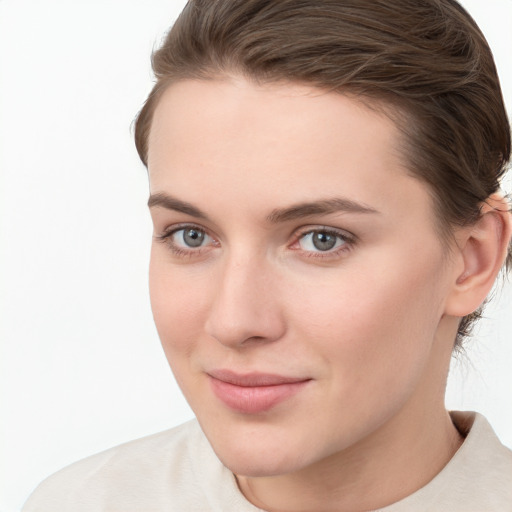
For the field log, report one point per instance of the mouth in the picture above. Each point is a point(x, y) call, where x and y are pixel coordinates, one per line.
point(254, 393)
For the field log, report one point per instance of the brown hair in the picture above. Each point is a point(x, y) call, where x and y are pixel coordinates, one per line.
point(426, 58)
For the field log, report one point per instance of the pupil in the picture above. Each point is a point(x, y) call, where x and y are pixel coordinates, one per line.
point(193, 237)
point(324, 241)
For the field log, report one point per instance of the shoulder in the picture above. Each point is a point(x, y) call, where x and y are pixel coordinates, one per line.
point(478, 477)
point(483, 465)
point(151, 474)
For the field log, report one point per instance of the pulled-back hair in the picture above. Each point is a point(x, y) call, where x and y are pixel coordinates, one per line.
point(423, 62)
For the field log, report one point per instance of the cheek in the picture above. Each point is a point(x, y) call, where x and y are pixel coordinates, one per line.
point(373, 328)
point(367, 304)
point(178, 302)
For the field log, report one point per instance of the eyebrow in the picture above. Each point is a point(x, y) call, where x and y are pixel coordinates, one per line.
point(172, 203)
point(322, 207)
point(297, 211)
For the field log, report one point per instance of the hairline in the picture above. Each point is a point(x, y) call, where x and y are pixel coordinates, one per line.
point(396, 109)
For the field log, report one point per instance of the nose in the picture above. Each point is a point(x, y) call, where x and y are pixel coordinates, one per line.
point(245, 308)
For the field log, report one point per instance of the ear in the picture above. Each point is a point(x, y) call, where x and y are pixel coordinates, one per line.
point(481, 251)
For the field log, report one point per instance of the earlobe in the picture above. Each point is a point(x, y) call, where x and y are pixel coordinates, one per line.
point(482, 249)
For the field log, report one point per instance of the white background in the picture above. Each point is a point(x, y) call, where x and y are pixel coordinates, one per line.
point(80, 361)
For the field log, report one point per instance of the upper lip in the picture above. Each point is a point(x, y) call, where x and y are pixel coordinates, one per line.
point(254, 379)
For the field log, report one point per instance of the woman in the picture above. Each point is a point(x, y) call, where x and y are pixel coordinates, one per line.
point(324, 188)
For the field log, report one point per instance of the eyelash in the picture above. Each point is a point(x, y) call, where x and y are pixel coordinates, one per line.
point(166, 238)
point(348, 239)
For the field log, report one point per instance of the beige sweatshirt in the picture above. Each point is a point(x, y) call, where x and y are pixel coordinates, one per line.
point(177, 471)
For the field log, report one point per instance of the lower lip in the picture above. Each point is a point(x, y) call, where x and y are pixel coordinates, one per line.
point(254, 399)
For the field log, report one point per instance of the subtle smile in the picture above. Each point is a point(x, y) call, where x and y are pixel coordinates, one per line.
point(253, 393)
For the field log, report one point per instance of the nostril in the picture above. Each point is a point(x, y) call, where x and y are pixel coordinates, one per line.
point(255, 339)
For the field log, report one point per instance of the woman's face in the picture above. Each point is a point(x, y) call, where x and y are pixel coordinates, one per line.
point(297, 281)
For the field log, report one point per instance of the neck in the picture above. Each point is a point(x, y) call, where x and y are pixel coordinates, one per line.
point(380, 470)
point(393, 462)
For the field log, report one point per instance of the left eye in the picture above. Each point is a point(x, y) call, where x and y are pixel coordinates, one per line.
point(322, 241)
point(190, 238)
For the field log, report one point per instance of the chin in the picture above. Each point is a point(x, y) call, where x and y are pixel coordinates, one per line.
point(250, 463)
point(261, 450)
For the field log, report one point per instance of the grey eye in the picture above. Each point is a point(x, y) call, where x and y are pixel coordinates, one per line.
point(190, 238)
point(324, 241)
point(321, 241)
point(193, 237)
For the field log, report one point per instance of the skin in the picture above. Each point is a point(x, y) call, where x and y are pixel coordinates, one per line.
point(370, 323)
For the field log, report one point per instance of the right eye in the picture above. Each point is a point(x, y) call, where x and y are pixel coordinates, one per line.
point(189, 238)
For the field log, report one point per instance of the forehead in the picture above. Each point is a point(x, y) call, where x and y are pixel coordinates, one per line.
point(276, 143)
point(259, 113)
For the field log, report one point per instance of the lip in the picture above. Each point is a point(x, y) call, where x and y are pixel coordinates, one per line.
point(254, 393)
